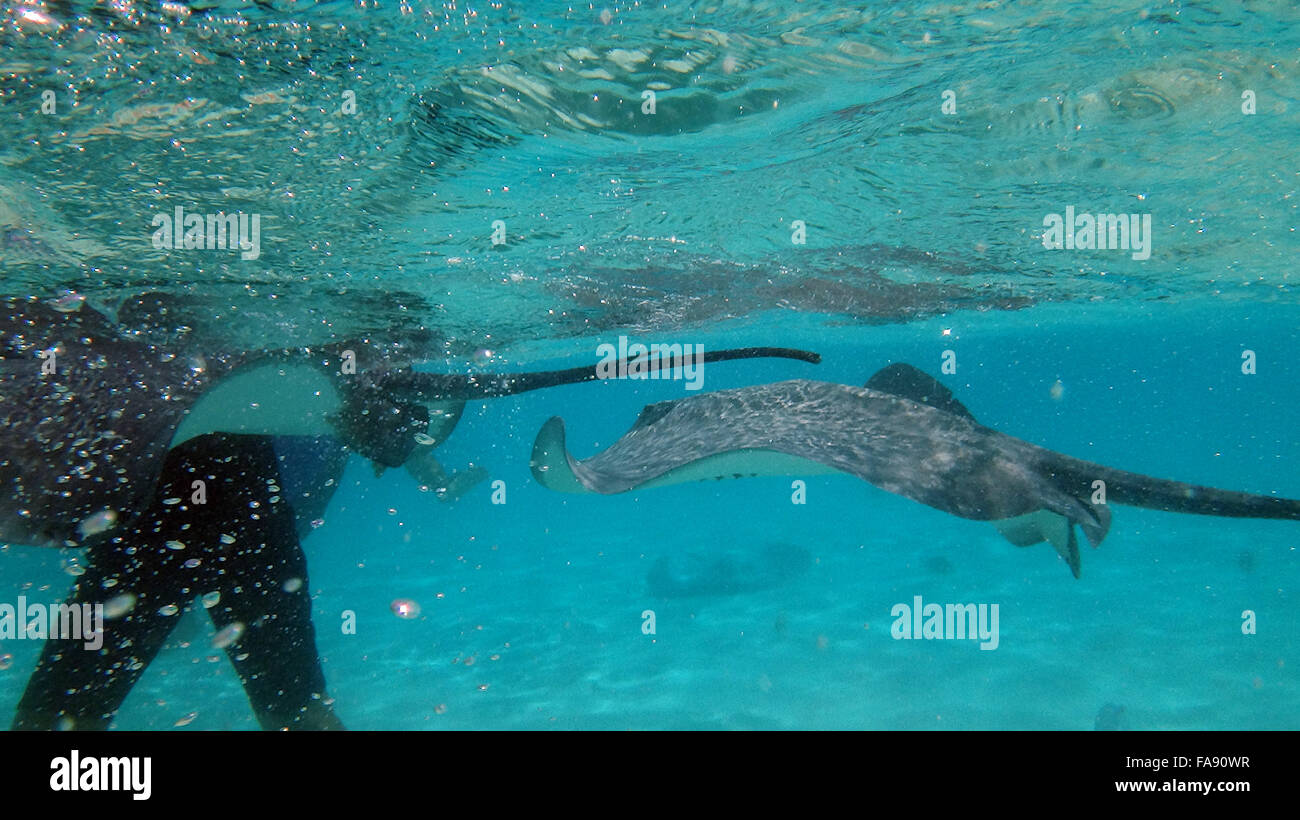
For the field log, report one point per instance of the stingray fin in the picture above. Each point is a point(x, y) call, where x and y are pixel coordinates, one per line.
point(550, 462)
point(904, 380)
point(1093, 519)
point(1045, 525)
point(1070, 553)
point(1034, 528)
point(1096, 530)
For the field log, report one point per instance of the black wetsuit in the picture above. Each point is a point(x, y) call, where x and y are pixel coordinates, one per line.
point(243, 543)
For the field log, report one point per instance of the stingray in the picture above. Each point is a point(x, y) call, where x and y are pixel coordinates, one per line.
point(189, 476)
point(903, 432)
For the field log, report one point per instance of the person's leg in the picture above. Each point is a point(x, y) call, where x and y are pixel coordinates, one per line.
point(78, 688)
point(234, 540)
point(265, 608)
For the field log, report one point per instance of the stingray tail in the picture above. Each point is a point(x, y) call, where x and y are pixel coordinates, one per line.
point(435, 386)
point(1080, 478)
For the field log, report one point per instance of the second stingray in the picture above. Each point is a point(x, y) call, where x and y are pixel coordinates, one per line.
point(905, 433)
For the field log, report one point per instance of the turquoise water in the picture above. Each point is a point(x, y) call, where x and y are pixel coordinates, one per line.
point(923, 235)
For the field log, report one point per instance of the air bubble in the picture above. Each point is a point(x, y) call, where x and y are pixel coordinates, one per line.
point(404, 608)
point(102, 521)
point(119, 605)
point(228, 636)
point(293, 585)
point(211, 599)
point(69, 301)
point(169, 610)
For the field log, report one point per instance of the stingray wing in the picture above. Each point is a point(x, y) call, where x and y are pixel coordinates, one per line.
point(796, 427)
point(632, 466)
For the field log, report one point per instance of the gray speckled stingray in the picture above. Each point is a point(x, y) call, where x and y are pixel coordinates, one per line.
point(903, 432)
